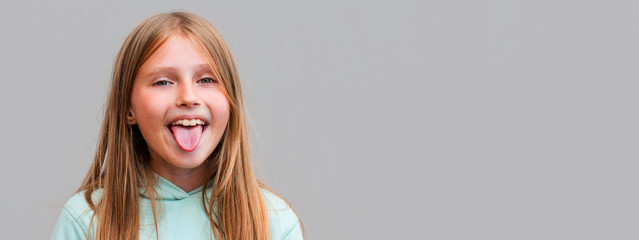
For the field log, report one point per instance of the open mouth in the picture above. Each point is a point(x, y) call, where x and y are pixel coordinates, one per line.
point(188, 132)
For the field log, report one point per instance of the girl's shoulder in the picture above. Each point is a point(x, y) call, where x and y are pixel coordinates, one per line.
point(75, 218)
point(283, 220)
point(77, 205)
point(274, 201)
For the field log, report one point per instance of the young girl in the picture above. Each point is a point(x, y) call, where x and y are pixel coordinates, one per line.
point(172, 161)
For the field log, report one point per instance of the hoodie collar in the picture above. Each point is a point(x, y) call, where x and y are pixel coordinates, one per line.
point(166, 190)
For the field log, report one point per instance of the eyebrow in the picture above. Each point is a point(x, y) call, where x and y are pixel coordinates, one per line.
point(199, 69)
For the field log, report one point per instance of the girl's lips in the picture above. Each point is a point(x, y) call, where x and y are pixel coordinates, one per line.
point(186, 117)
point(185, 131)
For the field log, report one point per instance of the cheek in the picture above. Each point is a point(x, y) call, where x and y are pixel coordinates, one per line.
point(220, 110)
point(148, 110)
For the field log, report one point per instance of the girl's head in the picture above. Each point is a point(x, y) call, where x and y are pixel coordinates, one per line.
point(174, 67)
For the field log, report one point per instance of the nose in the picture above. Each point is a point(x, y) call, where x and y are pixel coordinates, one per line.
point(187, 96)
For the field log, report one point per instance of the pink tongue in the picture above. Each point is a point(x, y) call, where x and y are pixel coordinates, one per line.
point(187, 137)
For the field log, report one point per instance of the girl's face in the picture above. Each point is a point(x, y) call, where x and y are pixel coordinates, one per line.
point(178, 106)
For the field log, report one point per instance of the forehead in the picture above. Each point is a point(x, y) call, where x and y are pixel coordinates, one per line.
point(176, 52)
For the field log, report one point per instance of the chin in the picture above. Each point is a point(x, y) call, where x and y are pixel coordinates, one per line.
point(186, 163)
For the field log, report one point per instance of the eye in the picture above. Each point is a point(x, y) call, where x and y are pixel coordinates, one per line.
point(207, 80)
point(161, 83)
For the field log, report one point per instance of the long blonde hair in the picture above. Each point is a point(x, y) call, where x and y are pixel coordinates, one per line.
point(121, 162)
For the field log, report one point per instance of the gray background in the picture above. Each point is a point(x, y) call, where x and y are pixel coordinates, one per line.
point(376, 119)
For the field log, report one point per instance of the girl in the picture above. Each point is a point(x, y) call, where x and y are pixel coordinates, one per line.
point(172, 161)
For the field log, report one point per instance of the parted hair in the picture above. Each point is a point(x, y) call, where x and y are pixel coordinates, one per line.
point(121, 163)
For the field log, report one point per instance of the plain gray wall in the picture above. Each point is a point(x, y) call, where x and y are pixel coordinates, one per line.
point(376, 119)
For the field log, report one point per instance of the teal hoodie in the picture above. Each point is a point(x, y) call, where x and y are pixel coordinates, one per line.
point(182, 216)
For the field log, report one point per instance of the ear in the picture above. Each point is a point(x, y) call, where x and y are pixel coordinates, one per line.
point(130, 118)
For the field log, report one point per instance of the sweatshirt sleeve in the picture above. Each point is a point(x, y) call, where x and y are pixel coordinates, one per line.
point(68, 227)
point(74, 219)
point(295, 233)
point(283, 221)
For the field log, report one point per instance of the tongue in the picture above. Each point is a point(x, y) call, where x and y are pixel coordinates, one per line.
point(187, 137)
